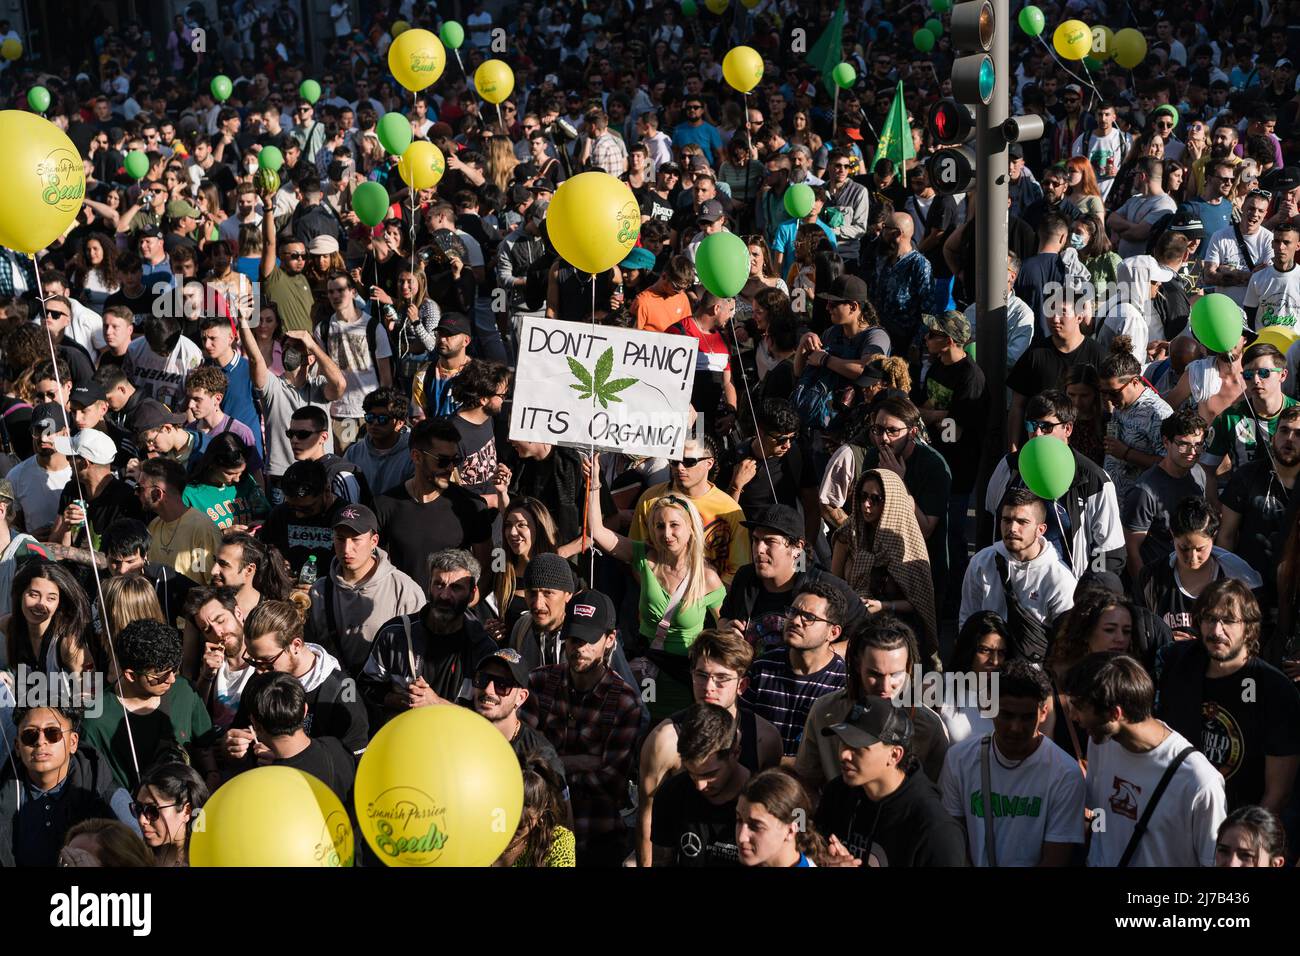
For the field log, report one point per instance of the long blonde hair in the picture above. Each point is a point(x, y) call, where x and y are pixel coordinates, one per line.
point(501, 162)
point(695, 588)
point(129, 597)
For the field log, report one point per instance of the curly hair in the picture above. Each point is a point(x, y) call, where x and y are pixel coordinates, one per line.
point(1072, 635)
point(1229, 597)
point(146, 645)
point(209, 378)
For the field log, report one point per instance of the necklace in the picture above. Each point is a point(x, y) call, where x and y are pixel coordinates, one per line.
point(1005, 766)
point(167, 545)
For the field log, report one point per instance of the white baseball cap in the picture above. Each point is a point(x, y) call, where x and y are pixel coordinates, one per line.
point(90, 444)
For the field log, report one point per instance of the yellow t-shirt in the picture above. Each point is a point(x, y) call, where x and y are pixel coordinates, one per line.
point(189, 545)
point(726, 542)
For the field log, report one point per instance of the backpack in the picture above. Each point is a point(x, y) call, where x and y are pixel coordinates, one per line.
point(372, 330)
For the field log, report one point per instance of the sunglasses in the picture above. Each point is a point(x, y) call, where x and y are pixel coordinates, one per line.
point(504, 685)
point(32, 735)
point(1117, 392)
point(1033, 426)
point(56, 315)
point(443, 461)
point(294, 255)
point(150, 811)
point(302, 434)
point(691, 462)
point(259, 665)
point(373, 418)
point(1264, 373)
point(875, 497)
point(1261, 193)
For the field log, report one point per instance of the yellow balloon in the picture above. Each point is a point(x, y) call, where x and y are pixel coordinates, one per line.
point(1130, 48)
point(742, 67)
point(717, 6)
point(750, 4)
point(1280, 336)
point(494, 80)
point(45, 181)
point(438, 786)
point(416, 59)
point(1103, 43)
point(1073, 40)
point(593, 221)
point(11, 49)
point(422, 165)
point(399, 27)
point(272, 816)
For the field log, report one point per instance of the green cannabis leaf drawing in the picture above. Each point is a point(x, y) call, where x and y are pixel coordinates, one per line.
point(596, 384)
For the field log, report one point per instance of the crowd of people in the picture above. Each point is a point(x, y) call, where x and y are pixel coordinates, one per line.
point(260, 494)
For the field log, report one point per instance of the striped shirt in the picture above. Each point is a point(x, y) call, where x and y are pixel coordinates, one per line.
point(780, 695)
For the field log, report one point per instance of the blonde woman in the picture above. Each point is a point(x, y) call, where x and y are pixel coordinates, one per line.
point(501, 162)
point(129, 597)
point(678, 590)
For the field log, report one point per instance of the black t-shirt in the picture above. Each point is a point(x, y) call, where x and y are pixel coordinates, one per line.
point(298, 538)
point(16, 422)
point(328, 761)
point(698, 832)
point(530, 741)
point(1238, 729)
point(748, 600)
point(757, 494)
point(942, 215)
point(908, 828)
point(478, 448)
point(79, 363)
point(959, 390)
point(117, 500)
point(1043, 366)
point(1256, 493)
point(412, 530)
point(140, 305)
point(657, 208)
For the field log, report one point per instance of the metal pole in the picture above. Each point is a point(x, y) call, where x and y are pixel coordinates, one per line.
point(991, 252)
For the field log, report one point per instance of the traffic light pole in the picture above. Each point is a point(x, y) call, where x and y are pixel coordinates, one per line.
point(991, 191)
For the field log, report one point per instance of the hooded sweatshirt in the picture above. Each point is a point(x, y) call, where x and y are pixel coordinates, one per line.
point(346, 617)
point(383, 469)
point(334, 707)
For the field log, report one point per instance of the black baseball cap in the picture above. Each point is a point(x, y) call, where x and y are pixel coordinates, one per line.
point(588, 617)
point(151, 414)
point(779, 518)
point(454, 323)
point(49, 416)
point(874, 721)
point(356, 518)
point(873, 373)
point(87, 394)
point(513, 662)
point(846, 289)
point(148, 232)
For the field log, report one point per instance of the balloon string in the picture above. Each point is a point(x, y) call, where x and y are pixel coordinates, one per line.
point(591, 582)
point(90, 536)
point(1048, 47)
point(413, 191)
point(460, 61)
point(744, 383)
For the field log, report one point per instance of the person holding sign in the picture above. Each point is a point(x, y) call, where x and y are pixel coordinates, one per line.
point(678, 588)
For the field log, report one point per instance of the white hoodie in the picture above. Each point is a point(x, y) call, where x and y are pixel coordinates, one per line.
point(1044, 585)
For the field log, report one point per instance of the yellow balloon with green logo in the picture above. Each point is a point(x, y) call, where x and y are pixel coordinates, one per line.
point(44, 181)
point(272, 816)
point(438, 786)
point(742, 68)
point(1073, 40)
point(416, 59)
point(494, 80)
point(422, 165)
point(1282, 337)
point(593, 221)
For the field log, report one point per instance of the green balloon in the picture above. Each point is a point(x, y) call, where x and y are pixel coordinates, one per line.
point(689, 9)
point(799, 200)
point(394, 131)
point(1047, 466)
point(370, 203)
point(934, 26)
point(221, 88)
point(844, 75)
point(1216, 322)
point(452, 34)
point(38, 98)
point(1092, 64)
point(940, 6)
point(270, 158)
point(137, 164)
point(1032, 21)
point(309, 90)
point(923, 40)
point(722, 262)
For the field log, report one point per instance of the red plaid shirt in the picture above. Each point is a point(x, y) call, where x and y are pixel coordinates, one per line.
point(601, 723)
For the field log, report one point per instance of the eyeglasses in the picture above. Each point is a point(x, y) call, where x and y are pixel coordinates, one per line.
point(1034, 425)
point(1207, 620)
point(878, 430)
point(302, 434)
point(150, 811)
point(374, 418)
point(1186, 446)
point(504, 685)
point(808, 617)
point(704, 678)
point(691, 462)
point(1117, 392)
point(443, 461)
point(156, 680)
point(32, 735)
point(263, 665)
point(1264, 373)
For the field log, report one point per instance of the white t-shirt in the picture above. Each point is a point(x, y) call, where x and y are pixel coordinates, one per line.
point(37, 491)
point(1039, 801)
point(1124, 318)
point(1277, 297)
point(1139, 210)
point(1223, 251)
point(1098, 150)
point(1183, 828)
point(162, 377)
point(962, 722)
point(339, 14)
point(348, 347)
point(1044, 585)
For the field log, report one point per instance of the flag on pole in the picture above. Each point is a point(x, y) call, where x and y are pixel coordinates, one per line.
point(896, 137)
point(828, 51)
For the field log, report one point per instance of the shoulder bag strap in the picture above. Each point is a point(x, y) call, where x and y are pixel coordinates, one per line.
point(661, 629)
point(1069, 726)
point(1155, 799)
point(1246, 257)
point(990, 851)
point(410, 648)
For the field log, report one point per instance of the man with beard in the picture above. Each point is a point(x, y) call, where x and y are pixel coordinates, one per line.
point(1223, 142)
point(223, 671)
point(431, 391)
point(427, 512)
point(1253, 738)
point(417, 660)
point(500, 692)
point(100, 495)
point(300, 527)
point(591, 716)
point(181, 538)
point(1273, 293)
point(1130, 753)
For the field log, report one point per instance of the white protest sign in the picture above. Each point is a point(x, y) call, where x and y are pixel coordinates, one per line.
point(619, 389)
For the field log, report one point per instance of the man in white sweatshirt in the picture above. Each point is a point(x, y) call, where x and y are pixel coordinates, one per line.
point(1041, 586)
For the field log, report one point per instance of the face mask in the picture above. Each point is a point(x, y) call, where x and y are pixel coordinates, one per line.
point(1077, 241)
point(252, 168)
point(292, 359)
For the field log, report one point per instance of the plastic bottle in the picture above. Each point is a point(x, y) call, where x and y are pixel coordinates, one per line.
point(307, 576)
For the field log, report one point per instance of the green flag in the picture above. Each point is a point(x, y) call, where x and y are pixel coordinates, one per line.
point(828, 51)
point(896, 137)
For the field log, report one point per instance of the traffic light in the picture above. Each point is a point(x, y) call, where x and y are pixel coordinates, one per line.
point(951, 126)
point(974, 73)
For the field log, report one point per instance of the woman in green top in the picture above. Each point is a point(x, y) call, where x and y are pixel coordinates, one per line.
point(677, 588)
point(223, 489)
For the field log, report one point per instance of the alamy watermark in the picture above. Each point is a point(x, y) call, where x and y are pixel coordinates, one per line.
point(83, 691)
point(959, 690)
